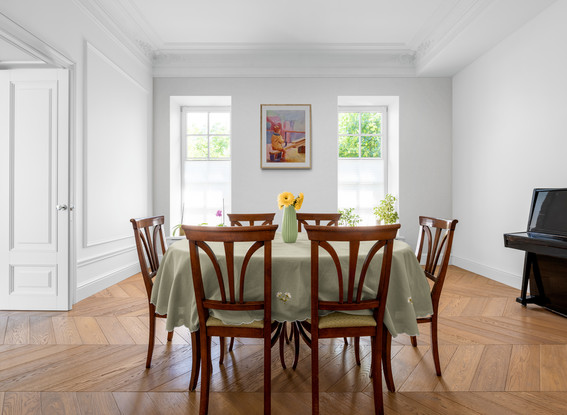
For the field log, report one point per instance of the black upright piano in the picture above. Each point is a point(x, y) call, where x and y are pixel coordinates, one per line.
point(545, 243)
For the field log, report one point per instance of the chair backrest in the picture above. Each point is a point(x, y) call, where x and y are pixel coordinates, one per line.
point(382, 236)
point(148, 232)
point(236, 218)
point(262, 236)
point(436, 235)
point(332, 218)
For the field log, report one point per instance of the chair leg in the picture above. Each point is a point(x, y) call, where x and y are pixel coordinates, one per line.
point(357, 350)
point(435, 345)
point(346, 341)
point(295, 334)
point(206, 374)
point(387, 360)
point(196, 359)
point(282, 339)
point(377, 376)
point(314, 373)
point(222, 351)
point(291, 331)
point(231, 344)
point(152, 338)
point(169, 335)
point(268, 371)
point(413, 341)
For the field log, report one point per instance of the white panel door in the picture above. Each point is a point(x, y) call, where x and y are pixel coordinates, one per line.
point(34, 188)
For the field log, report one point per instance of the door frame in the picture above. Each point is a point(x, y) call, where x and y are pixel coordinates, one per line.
point(16, 35)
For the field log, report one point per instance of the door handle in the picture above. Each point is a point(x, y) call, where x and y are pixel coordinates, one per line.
point(61, 207)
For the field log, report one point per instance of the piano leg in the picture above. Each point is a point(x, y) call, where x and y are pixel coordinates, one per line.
point(529, 262)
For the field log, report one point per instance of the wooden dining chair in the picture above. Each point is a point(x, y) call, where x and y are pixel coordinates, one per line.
point(261, 237)
point(338, 323)
point(236, 218)
point(149, 236)
point(255, 219)
point(436, 236)
point(331, 218)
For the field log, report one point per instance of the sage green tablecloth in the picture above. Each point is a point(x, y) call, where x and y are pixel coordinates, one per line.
point(408, 296)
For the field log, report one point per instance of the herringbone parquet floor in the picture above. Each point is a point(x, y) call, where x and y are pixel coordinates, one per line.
point(497, 358)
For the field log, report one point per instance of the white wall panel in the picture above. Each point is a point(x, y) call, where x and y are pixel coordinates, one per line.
point(116, 153)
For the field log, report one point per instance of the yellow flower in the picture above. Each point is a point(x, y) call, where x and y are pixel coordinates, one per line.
point(285, 199)
point(298, 201)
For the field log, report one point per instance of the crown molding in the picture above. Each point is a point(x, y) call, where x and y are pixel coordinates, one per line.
point(111, 21)
point(275, 62)
point(451, 19)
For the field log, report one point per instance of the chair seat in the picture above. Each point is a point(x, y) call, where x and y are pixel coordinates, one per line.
point(338, 319)
point(215, 322)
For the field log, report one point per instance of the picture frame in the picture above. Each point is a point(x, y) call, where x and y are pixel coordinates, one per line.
point(285, 139)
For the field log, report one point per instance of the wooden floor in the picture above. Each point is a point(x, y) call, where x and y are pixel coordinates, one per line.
point(497, 358)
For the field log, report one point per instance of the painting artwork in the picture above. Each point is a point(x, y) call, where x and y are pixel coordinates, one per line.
point(286, 136)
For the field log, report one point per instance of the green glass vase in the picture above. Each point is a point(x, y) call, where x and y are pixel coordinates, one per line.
point(289, 225)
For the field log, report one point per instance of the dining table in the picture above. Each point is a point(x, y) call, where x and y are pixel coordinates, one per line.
point(408, 299)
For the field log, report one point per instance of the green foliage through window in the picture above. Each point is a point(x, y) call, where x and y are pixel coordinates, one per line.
point(360, 135)
point(208, 135)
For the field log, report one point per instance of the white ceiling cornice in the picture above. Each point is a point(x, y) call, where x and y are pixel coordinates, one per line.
point(450, 21)
point(283, 62)
point(112, 21)
point(446, 41)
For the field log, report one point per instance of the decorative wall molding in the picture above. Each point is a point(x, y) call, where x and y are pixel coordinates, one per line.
point(90, 52)
point(24, 40)
point(94, 259)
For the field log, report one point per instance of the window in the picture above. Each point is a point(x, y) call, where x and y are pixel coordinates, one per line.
point(206, 164)
point(362, 159)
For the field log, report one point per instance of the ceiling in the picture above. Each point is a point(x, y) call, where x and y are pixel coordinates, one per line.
point(311, 37)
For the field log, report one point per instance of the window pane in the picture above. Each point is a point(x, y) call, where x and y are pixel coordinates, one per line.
point(220, 147)
point(370, 146)
point(196, 123)
point(348, 146)
point(361, 186)
point(197, 146)
point(348, 123)
point(207, 189)
point(371, 123)
point(219, 123)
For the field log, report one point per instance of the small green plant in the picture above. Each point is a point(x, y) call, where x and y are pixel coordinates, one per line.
point(385, 210)
point(177, 228)
point(348, 217)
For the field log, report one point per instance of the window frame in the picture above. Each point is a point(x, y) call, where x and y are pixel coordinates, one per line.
point(383, 133)
point(183, 159)
point(383, 136)
point(190, 109)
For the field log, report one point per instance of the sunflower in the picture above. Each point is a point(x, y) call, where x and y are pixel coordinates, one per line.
point(298, 201)
point(285, 199)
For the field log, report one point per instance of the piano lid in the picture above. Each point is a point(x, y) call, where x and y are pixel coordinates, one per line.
point(548, 213)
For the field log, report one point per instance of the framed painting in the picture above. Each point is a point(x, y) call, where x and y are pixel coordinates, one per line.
point(286, 136)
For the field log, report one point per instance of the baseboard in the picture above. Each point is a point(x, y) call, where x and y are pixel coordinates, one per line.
point(104, 281)
point(503, 277)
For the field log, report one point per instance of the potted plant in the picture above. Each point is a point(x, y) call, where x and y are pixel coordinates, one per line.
point(348, 217)
point(385, 212)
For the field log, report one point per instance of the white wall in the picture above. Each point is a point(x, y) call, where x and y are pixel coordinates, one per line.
point(112, 94)
point(424, 135)
point(509, 136)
